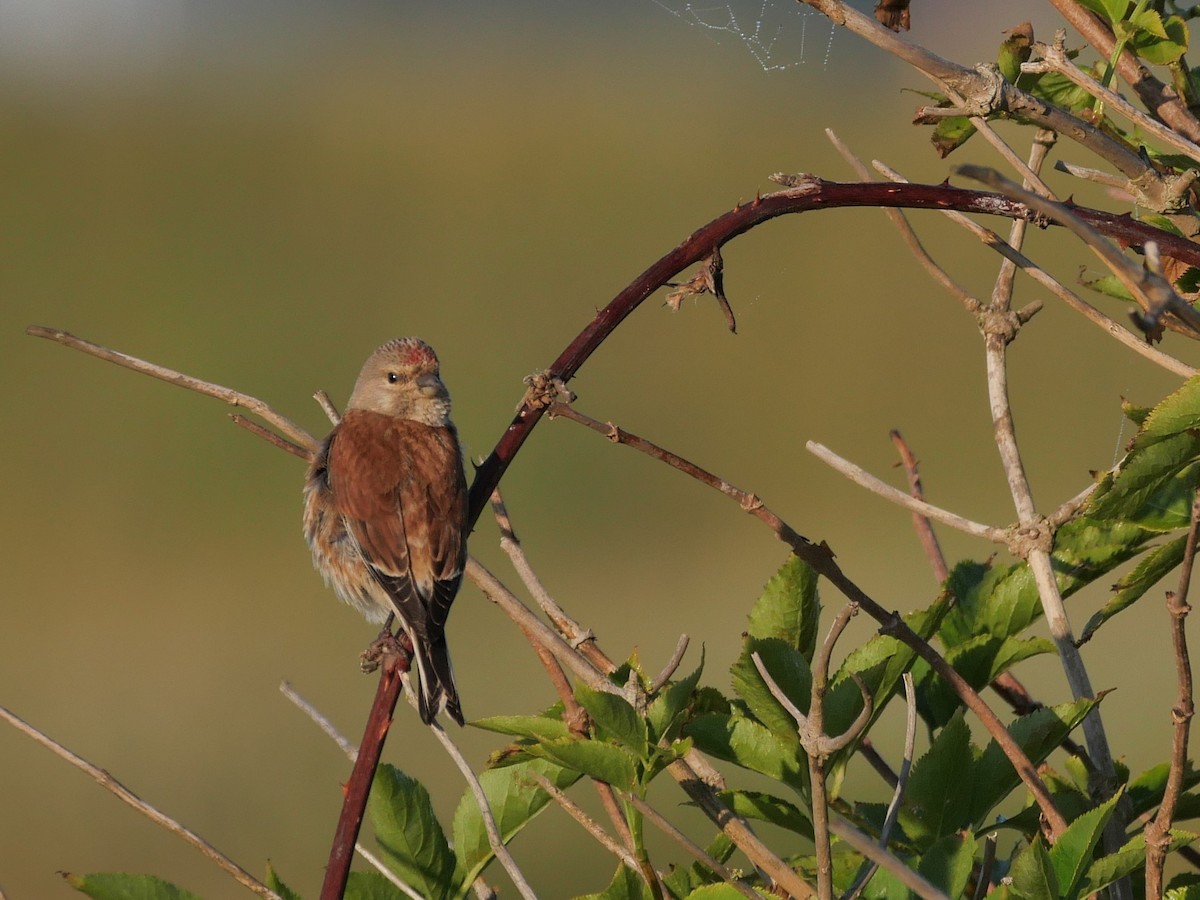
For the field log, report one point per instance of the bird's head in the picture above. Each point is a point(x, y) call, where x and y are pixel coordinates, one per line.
point(401, 379)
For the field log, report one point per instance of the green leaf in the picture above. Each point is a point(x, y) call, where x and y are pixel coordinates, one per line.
point(716, 892)
point(1109, 286)
point(768, 808)
point(1146, 791)
point(1015, 50)
point(121, 886)
point(514, 799)
point(937, 801)
point(740, 740)
point(951, 133)
point(666, 711)
point(788, 669)
point(1179, 412)
point(411, 840)
point(1113, 11)
point(947, 864)
point(1127, 860)
point(596, 759)
point(1037, 734)
point(1133, 586)
point(1071, 854)
point(1032, 874)
point(1153, 485)
point(535, 728)
point(789, 608)
point(615, 718)
point(1159, 43)
point(682, 880)
point(364, 885)
point(626, 885)
point(275, 883)
point(979, 660)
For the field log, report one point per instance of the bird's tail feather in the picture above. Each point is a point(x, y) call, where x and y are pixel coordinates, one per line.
point(435, 677)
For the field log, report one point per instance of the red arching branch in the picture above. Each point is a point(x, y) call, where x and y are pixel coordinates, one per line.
point(809, 193)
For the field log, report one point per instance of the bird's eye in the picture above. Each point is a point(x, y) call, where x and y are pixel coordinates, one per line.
point(393, 377)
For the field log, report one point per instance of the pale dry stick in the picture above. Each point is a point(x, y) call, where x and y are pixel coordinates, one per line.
point(893, 810)
point(327, 407)
point(230, 396)
point(110, 784)
point(1053, 58)
point(495, 840)
point(1034, 538)
point(936, 272)
point(672, 664)
point(910, 878)
point(1131, 341)
point(1154, 293)
point(590, 825)
point(1158, 831)
point(344, 744)
point(865, 479)
point(693, 849)
point(387, 873)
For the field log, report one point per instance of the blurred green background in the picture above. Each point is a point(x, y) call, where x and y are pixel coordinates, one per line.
point(259, 194)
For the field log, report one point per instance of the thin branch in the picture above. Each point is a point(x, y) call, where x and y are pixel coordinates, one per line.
point(893, 810)
point(983, 885)
point(865, 479)
point(344, 743)
point(672, 664)
point(118, 790)
point(1158, 832)
point(925, 532)
point(495, 840)
point(1131, 341)
point(387, 873)
point(694, 850)
point(327, 407)
point(872, 851)
point(230, 396)
point(590, 825)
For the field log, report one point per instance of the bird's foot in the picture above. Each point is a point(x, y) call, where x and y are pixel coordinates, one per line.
point(384, 646)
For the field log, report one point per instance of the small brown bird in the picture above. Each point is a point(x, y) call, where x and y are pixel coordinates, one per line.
point(385, 509)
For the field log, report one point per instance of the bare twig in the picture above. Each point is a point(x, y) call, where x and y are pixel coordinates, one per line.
point(230, 396)
point(872, 851)
point(1131, 341)
point(1158, 831)
point(118, 790)
point(327, 407)
point(893, 810)
point(672, 664)
point(925, 532)
point(495, 839)
point(865, 479)
point(695, 851)
point(590, 825)
point(344, 743)
point(392, 877)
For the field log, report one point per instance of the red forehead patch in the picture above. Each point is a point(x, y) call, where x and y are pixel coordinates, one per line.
point(411, 352)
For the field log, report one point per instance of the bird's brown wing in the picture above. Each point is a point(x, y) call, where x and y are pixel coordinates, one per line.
point(400, 486)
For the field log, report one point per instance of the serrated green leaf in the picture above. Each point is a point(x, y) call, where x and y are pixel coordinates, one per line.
point(682, 880)
point(411, 841)
point(596, 759)
point(1177, 413)
point(744, 742)
point(1152, 568)
point(947, 864)
point(1113, 11)
point(1014, 51)
point(716, 892)
point(1038, 734)
point(788, 669)
point(1071, 854)
point(626, 885)
point(931, 811)
point(1127, 860)
point(275, 883)
point(1157, 41)
point(615, 718)
point(364, 885)
point(789, 608)
point(1153, 485)
point(768, 808)
point(1032, 874)
point(666, 710)
point(1189, 281)
point(979, 660)
point(123, 886)
point(514, 799)
point(536, 728)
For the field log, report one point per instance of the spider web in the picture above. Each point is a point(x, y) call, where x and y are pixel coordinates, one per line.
point(773, 32)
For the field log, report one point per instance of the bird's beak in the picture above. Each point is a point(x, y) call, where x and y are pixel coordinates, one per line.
point(431, 386)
